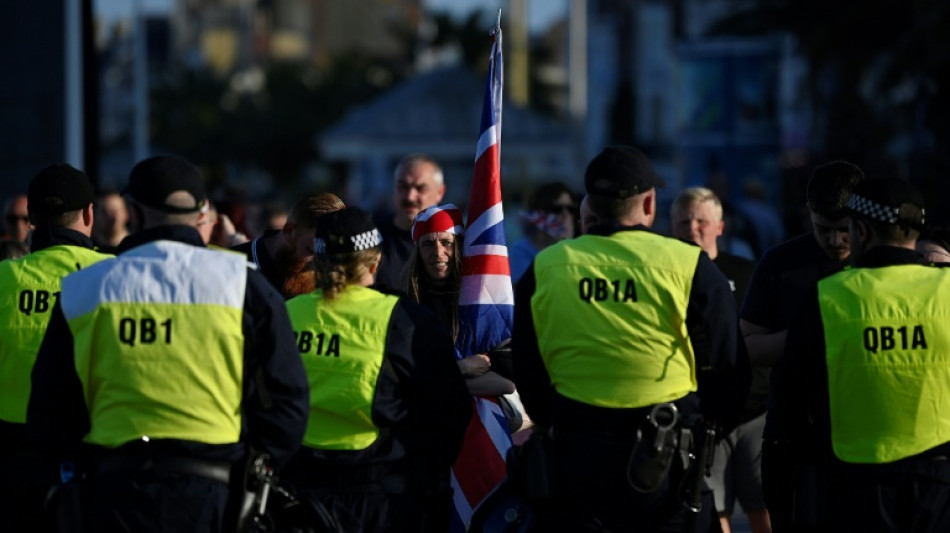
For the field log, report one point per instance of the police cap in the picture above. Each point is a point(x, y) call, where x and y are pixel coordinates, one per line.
point(153, 180)
point(621, 172)
point(348, 230)
point(59, 189)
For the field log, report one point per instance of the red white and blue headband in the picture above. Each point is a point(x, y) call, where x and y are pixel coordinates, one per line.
point(444, 218)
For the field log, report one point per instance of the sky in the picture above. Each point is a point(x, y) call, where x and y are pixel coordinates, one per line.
point(542, 13)
point(117, 9)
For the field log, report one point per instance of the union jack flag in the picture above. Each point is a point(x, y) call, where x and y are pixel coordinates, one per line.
point(486, 305)
point(486, 301)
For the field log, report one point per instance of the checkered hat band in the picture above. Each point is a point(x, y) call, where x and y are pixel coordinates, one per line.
point(873, 210)
point(353, 243)
point(366, 240)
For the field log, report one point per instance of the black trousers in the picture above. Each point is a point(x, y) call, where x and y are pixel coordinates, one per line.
point(593, 493)
point(22, 504)
point(909, 496)
point(148, 501)
point(24, 484)
point(372, 498)
point(779, 474)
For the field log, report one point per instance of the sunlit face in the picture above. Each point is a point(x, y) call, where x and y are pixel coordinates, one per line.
point(415, 190)
point(832, 235)
point(699, 223)
point(437, 251)
point(111, 211)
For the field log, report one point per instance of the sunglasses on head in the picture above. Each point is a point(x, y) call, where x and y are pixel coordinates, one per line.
point(558, 209)
point(14, 218)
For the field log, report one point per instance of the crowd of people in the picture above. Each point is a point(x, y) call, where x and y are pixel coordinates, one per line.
point(162, 371)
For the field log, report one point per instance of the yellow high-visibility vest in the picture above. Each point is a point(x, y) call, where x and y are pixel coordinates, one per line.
point(29, 287)
point(342, 343)
point(610, 317)
point(159, 344)
point(887, 347)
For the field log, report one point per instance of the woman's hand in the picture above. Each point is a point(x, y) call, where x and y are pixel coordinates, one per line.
point(475, 365)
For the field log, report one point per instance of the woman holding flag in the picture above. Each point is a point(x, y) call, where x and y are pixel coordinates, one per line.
point(481, 312)
point(435, 280)
point(435, 277)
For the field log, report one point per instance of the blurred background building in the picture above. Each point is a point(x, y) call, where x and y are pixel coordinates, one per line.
point(276, 97)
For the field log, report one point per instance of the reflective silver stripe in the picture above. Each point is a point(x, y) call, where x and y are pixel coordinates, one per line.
point(197, 276)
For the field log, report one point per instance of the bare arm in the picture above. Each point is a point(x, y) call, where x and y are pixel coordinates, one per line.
point(765, 346)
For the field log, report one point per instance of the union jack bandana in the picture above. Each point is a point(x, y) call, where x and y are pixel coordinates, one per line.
point(446, 218)
point(548, 223)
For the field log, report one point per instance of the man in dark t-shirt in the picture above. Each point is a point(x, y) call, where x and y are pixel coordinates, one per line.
point(784, 278)
point(418, 184)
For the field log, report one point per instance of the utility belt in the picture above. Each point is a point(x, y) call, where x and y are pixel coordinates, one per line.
point(155, 458)
point(321, 476)
point(161, 464)
point(660, 440)
point(386, 484)
point(656, 442)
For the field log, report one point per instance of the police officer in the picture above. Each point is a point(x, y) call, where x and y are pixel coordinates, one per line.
point(389, 407)
point(609, 328)
point(60, 203)
point(873, 368)
point(164, 367)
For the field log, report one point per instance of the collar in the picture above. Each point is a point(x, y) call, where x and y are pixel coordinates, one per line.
point(184, 234)
point(44, 236)
point(881, 256)
point(605, 230)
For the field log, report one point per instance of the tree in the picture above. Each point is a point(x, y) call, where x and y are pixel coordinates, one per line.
point(875, 67)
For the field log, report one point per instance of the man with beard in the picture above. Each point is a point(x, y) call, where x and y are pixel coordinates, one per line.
point(418, 184)
point(285, 256)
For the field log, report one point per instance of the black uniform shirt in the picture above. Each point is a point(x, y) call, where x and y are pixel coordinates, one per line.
point(739, 270)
